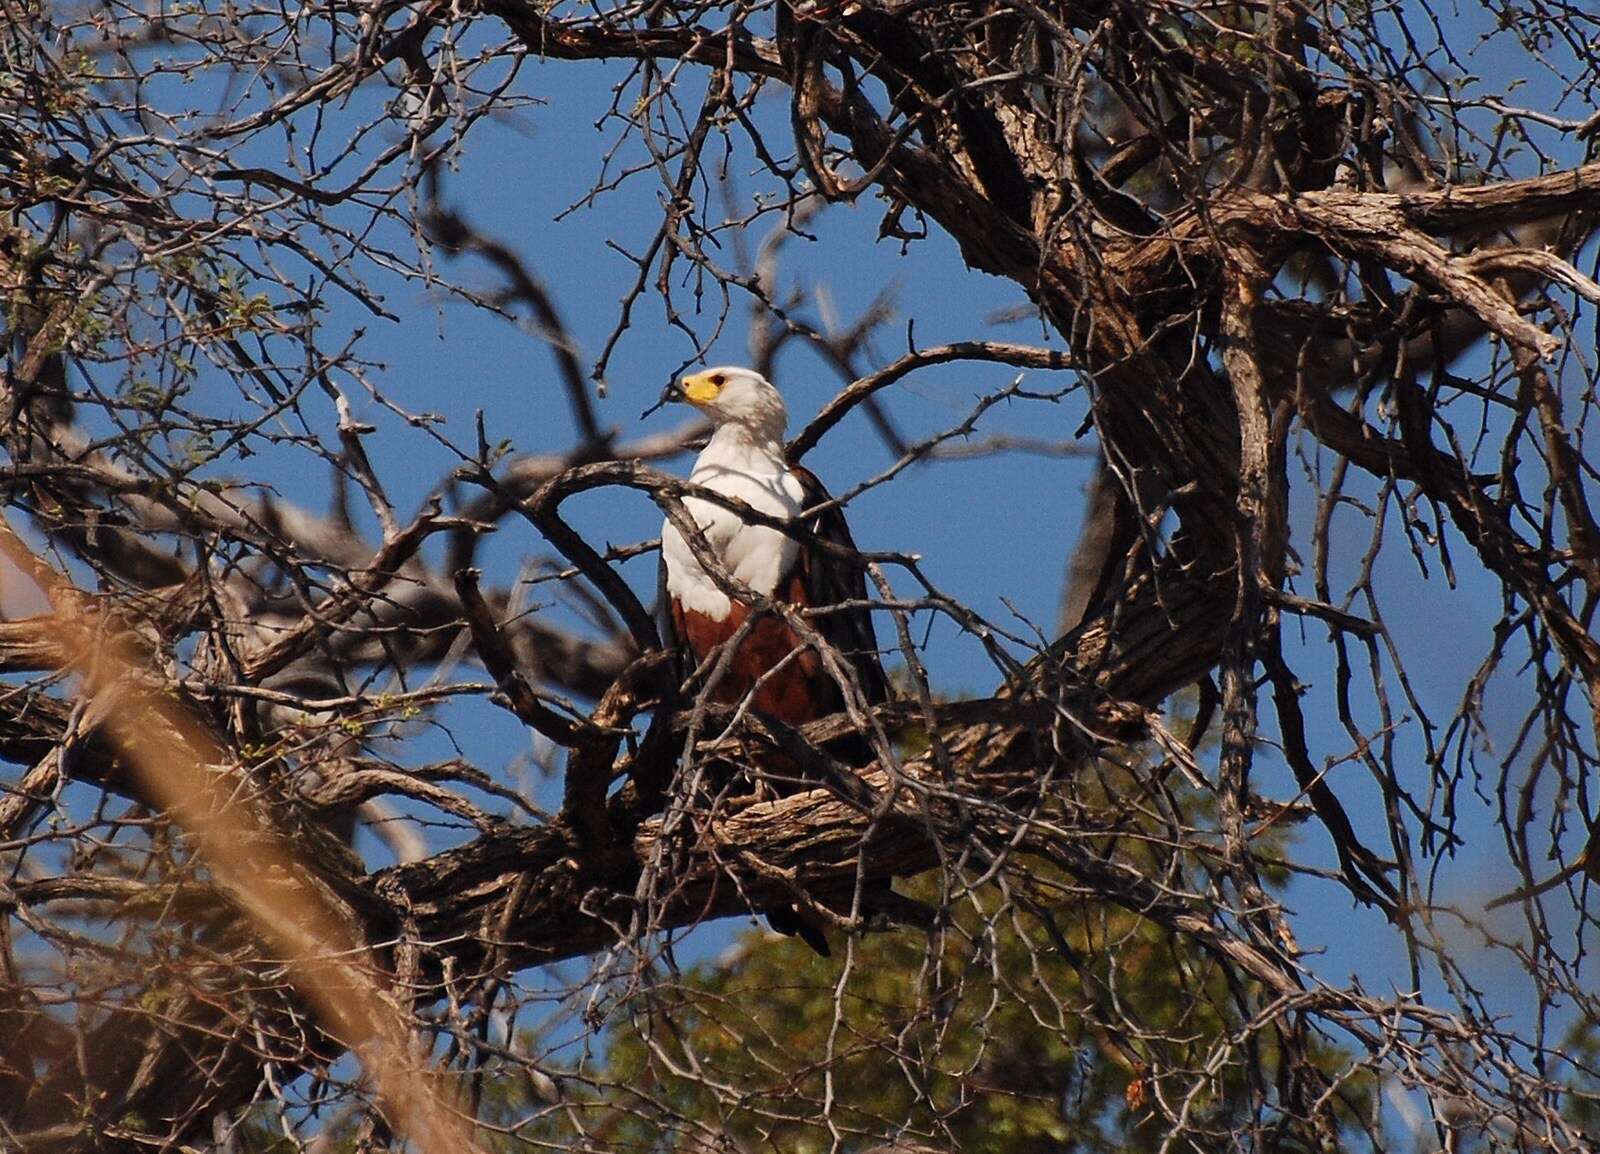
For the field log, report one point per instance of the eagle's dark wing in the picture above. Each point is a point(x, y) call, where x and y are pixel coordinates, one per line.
point(830, 581)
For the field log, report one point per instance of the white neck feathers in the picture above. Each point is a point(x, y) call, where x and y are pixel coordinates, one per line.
point(744, 462)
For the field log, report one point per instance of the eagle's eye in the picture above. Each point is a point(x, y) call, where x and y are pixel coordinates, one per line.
point(718, 379)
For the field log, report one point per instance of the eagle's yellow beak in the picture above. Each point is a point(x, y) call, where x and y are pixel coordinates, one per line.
point(699, 388)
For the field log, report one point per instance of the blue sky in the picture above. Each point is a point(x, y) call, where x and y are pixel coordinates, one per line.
point(995, 533)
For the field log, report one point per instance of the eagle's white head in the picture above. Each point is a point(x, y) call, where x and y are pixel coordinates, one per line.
point(730, 395)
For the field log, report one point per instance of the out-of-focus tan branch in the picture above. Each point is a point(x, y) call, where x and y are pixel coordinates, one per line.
point(182, 768)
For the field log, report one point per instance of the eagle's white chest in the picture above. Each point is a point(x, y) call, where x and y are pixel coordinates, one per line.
point(755, 555)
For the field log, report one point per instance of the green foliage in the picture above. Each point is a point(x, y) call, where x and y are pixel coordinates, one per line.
point(1038, 1018)
point(981, 1033)
point(1582, 1050)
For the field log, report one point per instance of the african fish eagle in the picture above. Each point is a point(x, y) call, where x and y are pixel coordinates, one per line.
point(744, 459)
point(783, 677)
